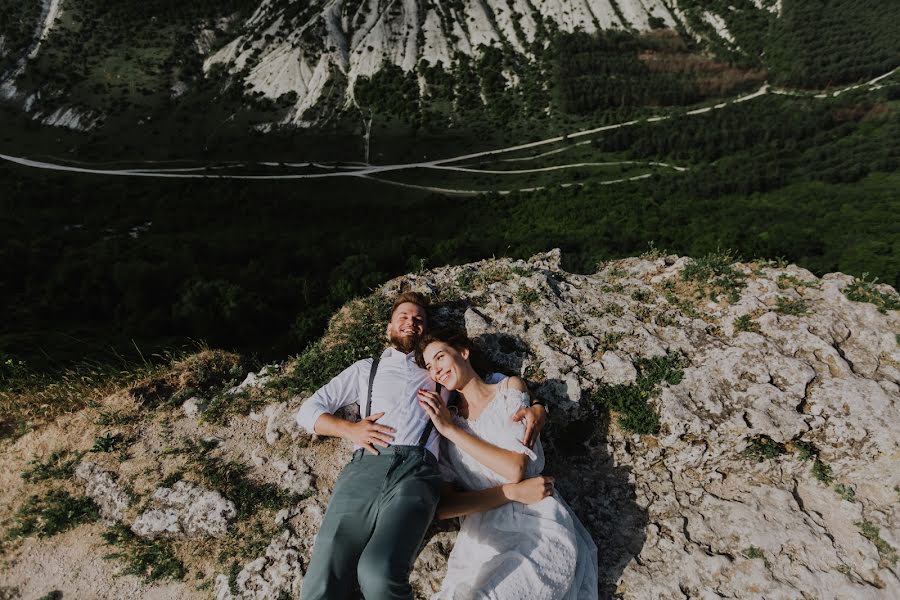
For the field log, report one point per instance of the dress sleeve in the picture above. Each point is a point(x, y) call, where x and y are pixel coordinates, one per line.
point(507, 433)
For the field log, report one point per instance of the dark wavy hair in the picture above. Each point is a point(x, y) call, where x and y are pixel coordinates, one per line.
point(458, 340)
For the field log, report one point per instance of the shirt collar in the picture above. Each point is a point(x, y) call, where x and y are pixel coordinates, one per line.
point(390, 351)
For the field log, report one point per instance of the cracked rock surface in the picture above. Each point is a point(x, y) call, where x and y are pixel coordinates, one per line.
point(187, 510)
point(692, 511)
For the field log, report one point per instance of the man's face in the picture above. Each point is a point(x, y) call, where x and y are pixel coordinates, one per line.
point(407, 326)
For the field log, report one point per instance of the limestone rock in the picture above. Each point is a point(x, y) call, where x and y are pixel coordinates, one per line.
point(188, 510)
point(103, 489)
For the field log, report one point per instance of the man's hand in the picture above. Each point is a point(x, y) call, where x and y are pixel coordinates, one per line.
point(535, 416)
point(530, 491)
point(368, 434)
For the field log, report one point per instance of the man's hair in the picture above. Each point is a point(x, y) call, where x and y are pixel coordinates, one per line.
point(413, 297)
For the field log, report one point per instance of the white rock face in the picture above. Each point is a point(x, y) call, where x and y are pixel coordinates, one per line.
point(686, 511)
point(103, 489)
point(187, 510)
point(289, 49)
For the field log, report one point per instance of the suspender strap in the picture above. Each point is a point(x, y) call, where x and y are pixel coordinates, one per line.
point(371, 383)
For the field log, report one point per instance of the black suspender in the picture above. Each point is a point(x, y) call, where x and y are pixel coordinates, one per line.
point(428, 426)
point(371, 383)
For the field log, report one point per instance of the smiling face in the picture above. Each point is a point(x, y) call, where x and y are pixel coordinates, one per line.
point(447, 365)
point(407, 325)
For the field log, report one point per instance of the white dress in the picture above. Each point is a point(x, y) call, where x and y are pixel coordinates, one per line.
point(517, 551)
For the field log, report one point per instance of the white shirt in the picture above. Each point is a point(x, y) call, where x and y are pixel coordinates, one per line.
point(394, 392)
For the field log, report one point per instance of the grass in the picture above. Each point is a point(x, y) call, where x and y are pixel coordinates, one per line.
point(153, 560)
point(753, 553)
point(786, 281)
point(786, 306)
point(746, 323)
point(887, 554)
point(55, 512)
point(805, 450)
point(716, 275)
point(354, 333)
point(527, 295)
point(59, 465)
point(636, 414)
point(822, 472)
point(762, 447)
point(231, 480)
point(845, 491)
point(863, 290)
point(109, 442)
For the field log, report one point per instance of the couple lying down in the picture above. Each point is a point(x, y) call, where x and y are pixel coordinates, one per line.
point(437, 439)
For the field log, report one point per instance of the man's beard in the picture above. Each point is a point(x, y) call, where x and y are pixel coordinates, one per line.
point(405, 343)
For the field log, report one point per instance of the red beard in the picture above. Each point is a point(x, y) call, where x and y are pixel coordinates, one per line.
point(405, 343)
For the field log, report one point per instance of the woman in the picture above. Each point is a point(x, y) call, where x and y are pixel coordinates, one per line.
point(509, 547)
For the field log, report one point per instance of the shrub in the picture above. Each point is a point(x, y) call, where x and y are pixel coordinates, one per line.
point(53, 513)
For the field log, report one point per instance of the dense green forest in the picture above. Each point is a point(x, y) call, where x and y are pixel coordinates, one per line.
point(105, 268)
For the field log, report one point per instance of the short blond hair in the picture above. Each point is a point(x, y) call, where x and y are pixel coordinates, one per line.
point(416, 298)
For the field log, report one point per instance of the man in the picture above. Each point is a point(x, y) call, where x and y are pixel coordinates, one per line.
point(385, 498)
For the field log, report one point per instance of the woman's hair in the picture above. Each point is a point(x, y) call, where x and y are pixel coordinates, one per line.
point(458, 340)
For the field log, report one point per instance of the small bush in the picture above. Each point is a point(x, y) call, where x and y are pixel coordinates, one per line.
point(805, 450)
point(53, 513)
point(822, 472)
point(862, 290)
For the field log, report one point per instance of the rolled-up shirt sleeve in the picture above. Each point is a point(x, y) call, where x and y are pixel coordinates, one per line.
point(343, 390)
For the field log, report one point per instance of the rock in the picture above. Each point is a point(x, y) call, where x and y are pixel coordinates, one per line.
point(252, 380)
point(103, 489)
point(193, 406)
point(617, 370)
point(188, 510)
point(279, 571)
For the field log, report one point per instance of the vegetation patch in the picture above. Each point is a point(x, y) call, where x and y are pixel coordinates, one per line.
point(53, 513)
point(754, 553)
point(786, 306)
point(151, 559)
point(886, 552)
point(527, 295)
point(746, 323)
point(762, 447)
point(232, 481)
point(631, 401)
point(845, 491)
point(109, 442)
point(205, 373)
point(59, 465)
point(786, 281)
point(863, 290)
point(354, 333)
point(715, 275)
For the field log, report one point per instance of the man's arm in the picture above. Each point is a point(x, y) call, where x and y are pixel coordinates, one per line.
point(316, 415)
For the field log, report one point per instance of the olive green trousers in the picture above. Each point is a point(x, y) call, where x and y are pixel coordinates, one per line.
point(376, 520)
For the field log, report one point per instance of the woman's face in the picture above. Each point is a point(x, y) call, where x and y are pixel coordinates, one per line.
point(446, 365)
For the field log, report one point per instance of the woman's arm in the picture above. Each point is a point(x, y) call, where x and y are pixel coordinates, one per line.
point(507, 463)
point(459, 503)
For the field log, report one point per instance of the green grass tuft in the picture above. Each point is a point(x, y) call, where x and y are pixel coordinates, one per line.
point(762, 447)
point(59, 465)
point(822, 472)
point(636, 414)
point(53, 513)
point(152, 560)
point(527, 295)
point(863, 290)
point(886, 552)
point(846, 492)
point(786, 306)
point(716, 275)
point(109, 442)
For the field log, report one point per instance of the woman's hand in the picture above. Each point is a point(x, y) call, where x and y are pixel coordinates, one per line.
point(530, 491)
point(437, 411)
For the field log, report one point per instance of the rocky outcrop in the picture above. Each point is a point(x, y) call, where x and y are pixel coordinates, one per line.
point(773, 469)
point(187, 510)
